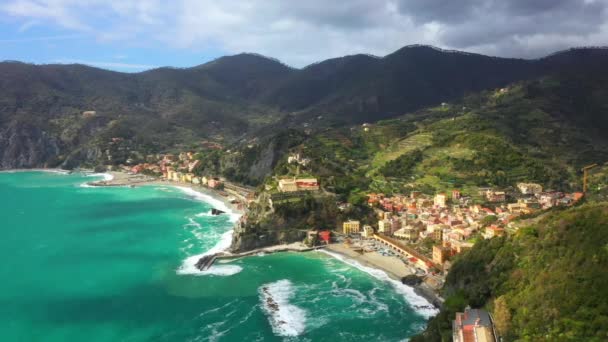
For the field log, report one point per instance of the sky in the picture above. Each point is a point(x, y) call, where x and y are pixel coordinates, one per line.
point(135, 35)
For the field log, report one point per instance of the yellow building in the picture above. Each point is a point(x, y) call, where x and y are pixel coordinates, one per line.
point(407, 233)
point(351, 227)
point(188, 177)
point(440, 200)
point(440, 254)
point(177, 176)
point(288, 185)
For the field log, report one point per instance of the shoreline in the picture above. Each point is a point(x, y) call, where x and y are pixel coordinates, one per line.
point(391, 267)
point(121, 179)
point(388, 265)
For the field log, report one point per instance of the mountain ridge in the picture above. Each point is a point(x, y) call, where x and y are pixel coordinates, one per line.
point(235, 97)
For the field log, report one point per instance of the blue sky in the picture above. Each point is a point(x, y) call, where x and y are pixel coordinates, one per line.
point(135, 35)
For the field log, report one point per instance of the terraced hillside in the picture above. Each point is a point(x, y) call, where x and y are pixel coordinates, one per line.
point(528, 131)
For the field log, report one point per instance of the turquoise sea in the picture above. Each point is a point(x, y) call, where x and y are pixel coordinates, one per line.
point(116, 264)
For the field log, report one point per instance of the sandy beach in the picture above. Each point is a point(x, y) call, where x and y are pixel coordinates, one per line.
point(125, 179)
point(394, 267)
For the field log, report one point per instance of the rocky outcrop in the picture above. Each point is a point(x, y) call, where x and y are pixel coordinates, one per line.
point(286, 222)
point(216, 212)
point(249, 238)
point(27, 146)
point(411, 280)
point(205, 262)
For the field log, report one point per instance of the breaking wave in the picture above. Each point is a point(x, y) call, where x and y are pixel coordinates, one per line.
point(423, 307)
point(286, 319)
point(189, 264)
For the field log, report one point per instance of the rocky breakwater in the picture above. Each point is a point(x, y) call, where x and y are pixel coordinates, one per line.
point(205, 262)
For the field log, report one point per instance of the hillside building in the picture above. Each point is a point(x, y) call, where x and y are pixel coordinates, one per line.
point(440, 200)
point(473, 325)
point(300, 184)
point(530, 188)
point(495, 196)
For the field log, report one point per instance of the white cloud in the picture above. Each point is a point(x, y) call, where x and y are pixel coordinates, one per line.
point(302, 32)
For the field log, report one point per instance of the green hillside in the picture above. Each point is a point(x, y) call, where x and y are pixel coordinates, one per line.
point(236, 98)
point(542, 131)
point(546, 283)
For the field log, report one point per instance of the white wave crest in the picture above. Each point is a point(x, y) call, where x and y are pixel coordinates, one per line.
point(189, 264)
point(56, 171)
point(204, 214)
point(423, 307)
point(286, 319)
point(105, 176)
point(217, 270)
point(216, 203)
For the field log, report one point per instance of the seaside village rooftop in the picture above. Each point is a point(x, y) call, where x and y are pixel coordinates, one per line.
point(428, 231)
point(182, 168)
point(423, 231)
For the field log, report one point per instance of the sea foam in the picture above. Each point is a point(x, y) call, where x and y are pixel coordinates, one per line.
point(216, 203)
point(189, 264)
point(285, 318)
point(106, 176)
point(422, 306)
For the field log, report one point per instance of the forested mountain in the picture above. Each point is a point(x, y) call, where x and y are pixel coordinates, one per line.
point(234, 97)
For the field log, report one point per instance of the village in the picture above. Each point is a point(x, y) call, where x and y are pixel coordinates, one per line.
point(430, 230)
point(182, 168)
point(426, 231)
point(414, 234)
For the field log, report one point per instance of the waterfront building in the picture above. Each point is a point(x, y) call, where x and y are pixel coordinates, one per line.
point(215, 183)
point(440, 254)
point(368, 232)
point(384, 226)
point(351, 227)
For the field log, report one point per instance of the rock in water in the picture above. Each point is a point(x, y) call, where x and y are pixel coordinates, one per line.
point(205, 262)
point(411, 280)
point(216, 212)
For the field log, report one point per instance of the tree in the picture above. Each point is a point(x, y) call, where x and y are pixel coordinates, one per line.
point(502, 315)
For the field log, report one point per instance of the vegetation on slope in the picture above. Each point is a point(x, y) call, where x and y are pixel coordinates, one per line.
point(546, 283)
point(528, 131)
point(240, 96)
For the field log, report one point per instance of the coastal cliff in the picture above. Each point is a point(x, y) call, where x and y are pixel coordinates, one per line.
point(26, 146)
point(267, 224)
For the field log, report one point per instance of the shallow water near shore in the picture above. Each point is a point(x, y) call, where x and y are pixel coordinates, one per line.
point(115, 264)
